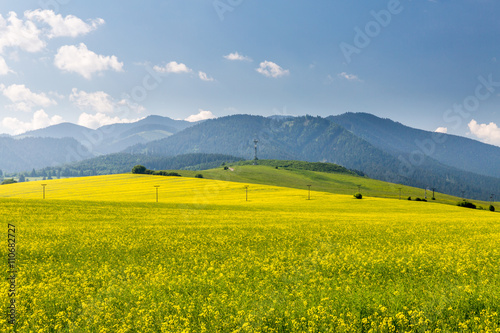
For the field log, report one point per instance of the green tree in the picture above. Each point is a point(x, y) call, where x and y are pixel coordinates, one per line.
point(8, 181)
point(139, 169)
point(22, 179)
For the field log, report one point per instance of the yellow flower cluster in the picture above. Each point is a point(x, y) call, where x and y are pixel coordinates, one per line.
point(101, 255)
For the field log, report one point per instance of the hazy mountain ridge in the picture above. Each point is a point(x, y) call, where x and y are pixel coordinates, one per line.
point(395, 138)
point(29, 153)
point(113, 138)
point(303, 138)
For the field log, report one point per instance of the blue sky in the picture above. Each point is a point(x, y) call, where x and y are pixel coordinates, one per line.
point(427, 64)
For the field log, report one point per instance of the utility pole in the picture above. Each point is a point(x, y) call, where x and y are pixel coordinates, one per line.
point(246, 192)
point(309, 192)
point(433, 190)
point(43, 185)
point(157, 186)
point(399, 188)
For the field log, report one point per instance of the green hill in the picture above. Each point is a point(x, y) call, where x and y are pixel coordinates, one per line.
point(343, 182)
point(303, 165)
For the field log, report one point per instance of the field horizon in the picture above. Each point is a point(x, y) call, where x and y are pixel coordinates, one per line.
point(245, 175)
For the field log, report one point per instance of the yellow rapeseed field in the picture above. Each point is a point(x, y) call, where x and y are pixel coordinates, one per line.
point(100, 255)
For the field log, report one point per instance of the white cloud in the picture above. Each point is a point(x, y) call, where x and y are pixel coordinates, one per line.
point(270, 69)
point(237, 56)
point(69, 26)
point(27, 34)
point(173, 67)
point(125, 103)
point(98, 101)
point(95, 121)
point(489, 133)
point(349, 77)
point(204, 77)
point(4, 69)
point(79, 59)
point(202, 115)
point(441, 130)
point(101, 102)
point(40, 120)
point(15, 32)
point(24, 99)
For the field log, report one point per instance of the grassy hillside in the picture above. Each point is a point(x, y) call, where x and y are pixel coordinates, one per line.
point(104, 257)
point(339, 183)
point(303, 165)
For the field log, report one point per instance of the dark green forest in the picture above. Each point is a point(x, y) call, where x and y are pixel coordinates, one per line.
point(123, 163)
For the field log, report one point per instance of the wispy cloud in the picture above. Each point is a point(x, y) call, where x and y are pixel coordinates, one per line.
point(204, 77)
point(271, 69)
point(173, 67)
point(202, 115)
point(97, 101)
point(237, 57)
point(99, 119)
point(349, 77)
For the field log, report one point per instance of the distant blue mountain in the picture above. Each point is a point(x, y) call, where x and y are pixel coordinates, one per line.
point(113, 138)
point(400, 140)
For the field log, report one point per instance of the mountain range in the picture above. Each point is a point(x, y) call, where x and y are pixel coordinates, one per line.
point(319, 139)
point(380, 148)
point(401, 140)
point(113, 138)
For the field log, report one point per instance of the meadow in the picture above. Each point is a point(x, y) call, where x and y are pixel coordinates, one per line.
point(100, 255)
